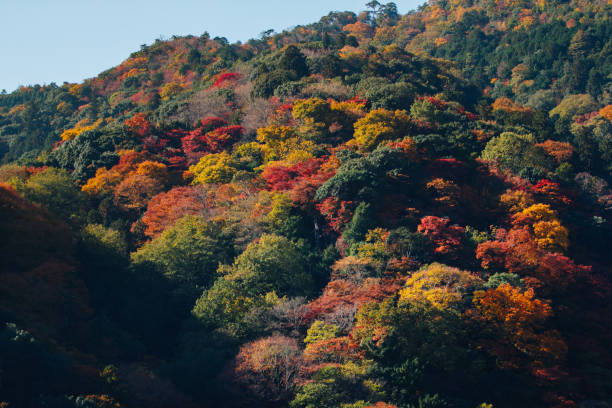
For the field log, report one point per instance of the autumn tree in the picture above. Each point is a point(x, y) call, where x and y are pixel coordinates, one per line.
point(213, 168)
point(446, 238)
point(135, 191)
point(440, 286)
point(166, 208)
point(380, 125)
point(519, 320)
point(269, 367)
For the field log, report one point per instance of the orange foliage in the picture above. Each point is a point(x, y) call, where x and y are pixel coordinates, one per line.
point(335, 350)
point(560, 151)
point(606, 112)
point(102, 182)
point(165, 208)
point(135, 191)
point(507, 105)
point(520, 319)
point(359, 29)
point(139, 125)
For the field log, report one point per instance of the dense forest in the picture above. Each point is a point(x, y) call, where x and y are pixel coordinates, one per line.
point(374, 210)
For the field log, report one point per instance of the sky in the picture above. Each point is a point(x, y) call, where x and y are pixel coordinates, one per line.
point(44, 41)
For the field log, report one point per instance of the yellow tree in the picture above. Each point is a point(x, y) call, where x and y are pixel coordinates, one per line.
point(380, 125)
point(213, 168)
point(439, 286)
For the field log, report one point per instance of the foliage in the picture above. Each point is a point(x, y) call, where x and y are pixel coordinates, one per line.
point(373, 210)
point(188, 252)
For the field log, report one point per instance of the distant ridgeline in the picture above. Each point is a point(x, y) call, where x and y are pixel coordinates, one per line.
point(374, 210)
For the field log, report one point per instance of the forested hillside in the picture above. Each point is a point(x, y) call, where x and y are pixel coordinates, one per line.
point(374, 210)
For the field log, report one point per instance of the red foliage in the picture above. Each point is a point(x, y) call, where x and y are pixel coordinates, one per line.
point(358, 100)
point(339, 293)
point(337, 213)
point(177, 162)
point(139, 125)
point(32, 171)
point(212, 122)
point(452, 169)
point(552, 192)
point(154, 144)
point(447, 238)
point(38, 281)
point(199, 141)
point(281, 177)
point(492, 254)
point(559, 271)
point(129, 161)
point(225, 77)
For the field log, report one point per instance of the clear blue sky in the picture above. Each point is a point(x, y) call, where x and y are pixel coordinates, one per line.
point(43, 41)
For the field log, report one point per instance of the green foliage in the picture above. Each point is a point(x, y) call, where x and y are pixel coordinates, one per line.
point(319, 331)
point(55, 191)
point(272, 265)
point(573, 105)
point(359, 225)
point(378, 122)
point(188, 252)
point(501, 278)
point(514, 152)
point(293, 60)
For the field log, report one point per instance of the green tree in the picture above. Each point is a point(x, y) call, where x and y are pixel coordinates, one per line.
point(189, 252)
point(359, 225)
point(55, 191)
point(293, 60)
point(272, 265)
point(514, 152)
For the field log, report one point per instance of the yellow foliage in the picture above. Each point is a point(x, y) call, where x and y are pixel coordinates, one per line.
point(446, 191)
point(283, 143)
point(516, 200)
point(524, 23)
point(81, 126)
point(275, 135)
point(16, 109)
point(375, 246)
point(349, 108)
point(152, 169)
point(313, 108)
point(64, 107)
point(273, 208)
point(379, 125)
point(440, 41)
point(551, 235)
point(76, 90)
point(213, 168)
point(102, 182)
point(439, 285)
point(170, 89)
point(540, 212)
